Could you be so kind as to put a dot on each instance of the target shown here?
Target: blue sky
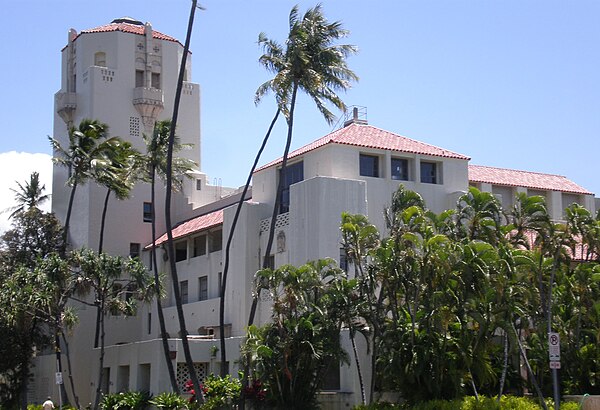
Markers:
(512, 84)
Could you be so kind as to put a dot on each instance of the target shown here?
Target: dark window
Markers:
(400, 169)
(180, 251)
(271, 262)
(203, 288)
(139, 78)
(293, 173)
(155, 80)
(343, 260)
(429, 172)
(369, 166)
(220, 279)
(331, 378)
(147, 211)
(216, 241)
(198, 185)
(149, 323)
(134, 250)
(199, 245)
(183, 291)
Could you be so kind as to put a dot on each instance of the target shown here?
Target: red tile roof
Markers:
(367, 136)
(128, 28)
(526, 179)
(193, 225)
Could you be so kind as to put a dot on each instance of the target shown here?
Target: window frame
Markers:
(405, 169)
(147, 212)
(185, 296)
(203, 291)
(434, 177)
(370, 170)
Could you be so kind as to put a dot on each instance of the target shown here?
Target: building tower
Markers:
(123, 74)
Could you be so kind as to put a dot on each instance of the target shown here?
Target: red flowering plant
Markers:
(189, 388)
(255, 391)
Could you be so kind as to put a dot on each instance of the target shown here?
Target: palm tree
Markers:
(118, 174)
(117, 284)
(236, 216)
(156, 165)
(310, 62)
(28, 195)
(170, 248)
(87, 144)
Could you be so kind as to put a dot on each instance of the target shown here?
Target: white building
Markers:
(124, 74)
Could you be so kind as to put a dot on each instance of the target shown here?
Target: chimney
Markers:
(358, 116)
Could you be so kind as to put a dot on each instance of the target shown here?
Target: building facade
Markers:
(124, 74)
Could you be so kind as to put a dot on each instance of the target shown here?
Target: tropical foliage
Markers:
(458, 301)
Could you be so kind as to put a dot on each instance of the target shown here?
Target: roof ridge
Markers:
(408, 138)
(518, 170)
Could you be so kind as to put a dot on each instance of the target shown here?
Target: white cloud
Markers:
(18, 166)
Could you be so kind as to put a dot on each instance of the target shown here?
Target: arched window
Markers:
(100, 59)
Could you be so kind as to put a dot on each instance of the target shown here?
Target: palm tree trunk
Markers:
(504, 368)
(230, 239)
(358, 369)
(70, 368)
(171, 251)
(265, 264)
(101, 361)
(161, 316)
(533, 379)
(103, 222)
(61, 387)
(68, 220)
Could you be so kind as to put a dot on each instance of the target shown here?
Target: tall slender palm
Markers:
(28, 195)
(119, 174)
(170, 248)
(236, 216)
(87, 144)
(310, 62)
(156, 165)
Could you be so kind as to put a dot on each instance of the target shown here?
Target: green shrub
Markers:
(132, 400)
(169, 401)
(220, 391)
(471, 403)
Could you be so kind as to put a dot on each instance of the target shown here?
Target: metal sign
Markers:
(59, 378)
(554, 347)
(555, 365)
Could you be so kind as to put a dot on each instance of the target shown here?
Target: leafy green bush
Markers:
(169, 401)
(220, 391)
(131, 400)
(111, 401)
(471, 403)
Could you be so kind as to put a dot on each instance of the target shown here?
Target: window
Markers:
(180, 251)
(199, 245)
(429, 172)
(400, 169)
(216, 240)
(198, 185)
(183, 291)
(147, 211)
(139, 78)
(149, 323)
(134, 250)
(293, 173)
(203, 288)
(369, 166)
(343, 260)
(100, 59)
(155, 80)
(271, 262)
(220, 281)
